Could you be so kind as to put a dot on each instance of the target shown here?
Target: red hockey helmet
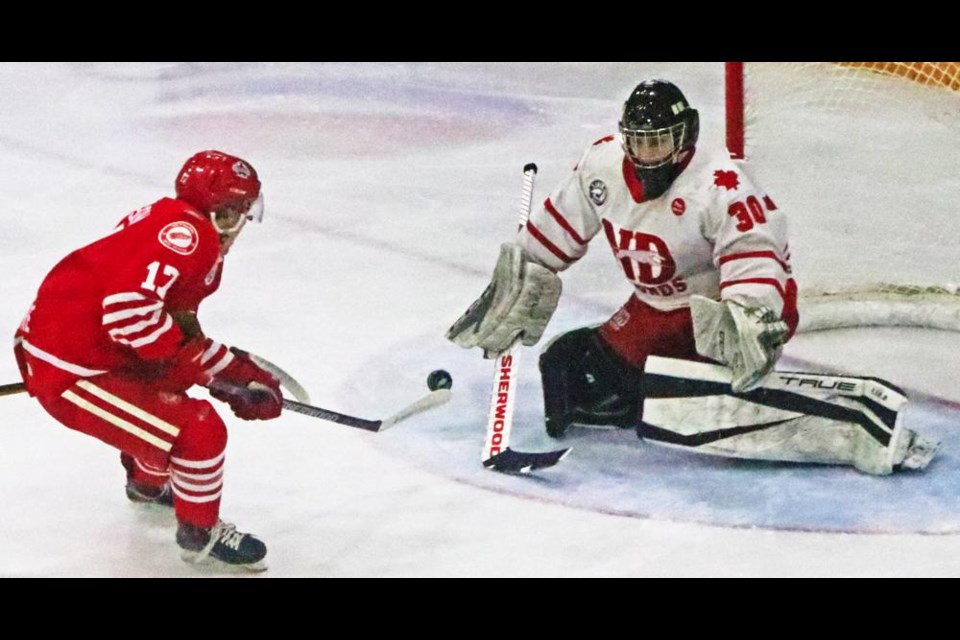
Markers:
(212, 181)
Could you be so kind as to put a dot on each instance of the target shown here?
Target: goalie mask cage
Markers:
(865, 158)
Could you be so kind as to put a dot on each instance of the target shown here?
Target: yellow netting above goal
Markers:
(943, 74)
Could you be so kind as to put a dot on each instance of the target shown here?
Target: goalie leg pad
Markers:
(795, 417)
(584, 382)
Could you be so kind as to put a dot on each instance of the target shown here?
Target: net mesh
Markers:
(863, 156)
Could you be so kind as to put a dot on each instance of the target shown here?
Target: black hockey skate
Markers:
(147, 494)
(223, 544)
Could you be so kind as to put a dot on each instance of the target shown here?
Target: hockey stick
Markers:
(427, 402)
(497, 454)
(301, 405)
(287, 381)
(10, 389)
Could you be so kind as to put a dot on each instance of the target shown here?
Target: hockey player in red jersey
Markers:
(112, 343)
(705, 249)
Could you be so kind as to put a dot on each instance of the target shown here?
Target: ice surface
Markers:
(389, 188)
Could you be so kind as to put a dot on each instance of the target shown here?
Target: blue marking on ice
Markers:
(376, 93)
(614, 472)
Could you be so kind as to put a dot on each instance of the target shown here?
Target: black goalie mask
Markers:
(658, 131)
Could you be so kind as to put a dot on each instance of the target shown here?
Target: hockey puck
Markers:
(439, 379)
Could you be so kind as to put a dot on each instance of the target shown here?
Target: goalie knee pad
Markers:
(584, 382)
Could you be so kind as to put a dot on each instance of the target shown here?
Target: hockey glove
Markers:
(748, 339)
(251, 392)
(518, 303)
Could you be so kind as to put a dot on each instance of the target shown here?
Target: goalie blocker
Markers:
(796, 417)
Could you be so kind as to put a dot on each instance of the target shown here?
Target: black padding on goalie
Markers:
(660, 386)
(695, 440)
(585, 382)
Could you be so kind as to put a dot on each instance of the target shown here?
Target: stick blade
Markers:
(510, 461)
(427, 402)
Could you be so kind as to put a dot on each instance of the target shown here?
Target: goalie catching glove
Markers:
(518, 303)
(747, 338)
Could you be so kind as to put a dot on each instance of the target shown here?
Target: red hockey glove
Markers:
(251, 392)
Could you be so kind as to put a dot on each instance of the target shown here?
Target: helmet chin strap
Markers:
(252, 211)
(227, 236)
(230, 231)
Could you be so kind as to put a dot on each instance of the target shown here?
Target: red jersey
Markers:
(109, 304)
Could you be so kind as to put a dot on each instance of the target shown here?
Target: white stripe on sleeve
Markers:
(149, 339)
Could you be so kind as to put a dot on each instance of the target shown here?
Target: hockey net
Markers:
(865, 157)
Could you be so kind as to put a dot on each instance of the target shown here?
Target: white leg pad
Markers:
(796, 417)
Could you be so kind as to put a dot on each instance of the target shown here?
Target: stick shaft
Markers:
(500, 418)
(10, 389)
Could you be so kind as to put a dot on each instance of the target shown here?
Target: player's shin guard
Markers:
(585, 383)
(196, 471)
(796, 417)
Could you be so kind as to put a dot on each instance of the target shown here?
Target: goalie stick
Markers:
(497, 454)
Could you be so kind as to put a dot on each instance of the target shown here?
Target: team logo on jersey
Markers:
(678, 206)
(726, 179)
(620, 319)
(241, 169)
(180, 237)
(643, 256)
(598, 192)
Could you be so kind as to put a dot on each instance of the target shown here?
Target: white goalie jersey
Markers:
(713, 233)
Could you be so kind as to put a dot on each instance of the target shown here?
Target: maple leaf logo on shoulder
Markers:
(726, 179)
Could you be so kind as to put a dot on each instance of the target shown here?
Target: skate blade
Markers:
(209, 562)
